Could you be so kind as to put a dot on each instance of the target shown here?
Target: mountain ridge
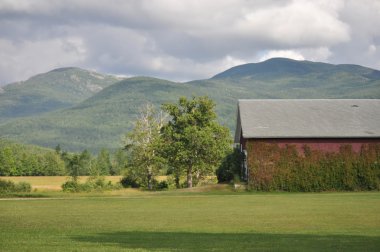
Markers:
(304, 66)
(53, 90)
(104, 118)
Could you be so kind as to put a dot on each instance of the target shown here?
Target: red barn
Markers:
(322, 124)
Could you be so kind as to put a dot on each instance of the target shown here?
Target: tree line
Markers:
(22, 160)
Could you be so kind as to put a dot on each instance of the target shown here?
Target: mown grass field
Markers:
(192, 220)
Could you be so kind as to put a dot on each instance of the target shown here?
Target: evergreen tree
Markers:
(74, 165)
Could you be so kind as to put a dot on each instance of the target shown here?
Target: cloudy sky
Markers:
(182, 39)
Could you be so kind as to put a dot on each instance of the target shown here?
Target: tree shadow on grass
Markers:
(182, 241)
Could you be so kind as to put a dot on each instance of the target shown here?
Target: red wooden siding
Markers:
(324, 144)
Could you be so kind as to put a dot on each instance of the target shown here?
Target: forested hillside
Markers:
(57, 89)
(102, 120)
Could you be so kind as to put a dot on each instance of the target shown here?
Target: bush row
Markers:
(92, 184)
(129, 181)
(133, 182)
(284, 169)
(7, 186)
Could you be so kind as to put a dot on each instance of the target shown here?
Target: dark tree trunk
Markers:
(150, 187)
(177, 181)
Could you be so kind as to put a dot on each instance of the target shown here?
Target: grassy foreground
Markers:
(193, 221)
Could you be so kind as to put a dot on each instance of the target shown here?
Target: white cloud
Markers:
(372, 49)
(301, 23)
(282, 54)
(20, 60)
(182, 40)
(363, 18)
(317, 54)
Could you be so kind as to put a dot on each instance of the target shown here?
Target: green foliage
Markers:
(23, 187)
(7, 186)
(162, 185)
(74, 165)
(119, 162)
(86, 163)
(24, 160)
(27, 160)
(54, 165)
(103, 163)
(71, 186)
(102, 120)
(194, 141)
(130, 182)
(144, 144)
(230, 167)
(275, 168)
(93, 183)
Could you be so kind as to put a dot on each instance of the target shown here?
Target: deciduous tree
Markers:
(195, 143)
(144, 144)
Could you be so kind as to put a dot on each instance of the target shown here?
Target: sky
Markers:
(182, 40)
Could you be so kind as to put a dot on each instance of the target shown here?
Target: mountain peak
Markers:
(64, 69)
(56, 89)
(288, 67)
(270, 66)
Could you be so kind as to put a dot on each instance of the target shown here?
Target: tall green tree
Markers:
(53, 164)
(103, 163)
(119, 162)
(74, 164)
(86, 162)
(144, 144)
(7, 162)
(195, 143)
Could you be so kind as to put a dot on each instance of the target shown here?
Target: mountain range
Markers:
(57, 89)
(81, 109)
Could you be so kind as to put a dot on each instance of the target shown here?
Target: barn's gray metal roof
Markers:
(312, 118)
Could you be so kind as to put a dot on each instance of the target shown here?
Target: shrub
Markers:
(170, 180)
(99, 183)
(23, 187)
(162, 185)
(95, 183)
(7, 186)
(70, 186)
(231, 166)
(129, 182)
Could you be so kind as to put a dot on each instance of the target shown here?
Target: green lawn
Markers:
(193, 221)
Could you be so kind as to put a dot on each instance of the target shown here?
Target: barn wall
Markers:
(326, 144)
